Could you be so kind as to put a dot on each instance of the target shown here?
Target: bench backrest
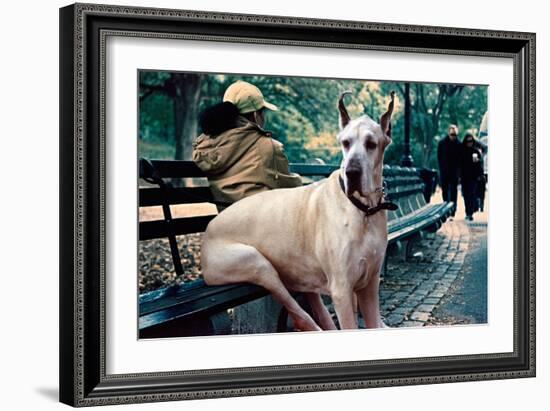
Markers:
(404, 186)
(159, 196)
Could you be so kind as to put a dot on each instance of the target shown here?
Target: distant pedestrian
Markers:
(449, 158)
(471, 174)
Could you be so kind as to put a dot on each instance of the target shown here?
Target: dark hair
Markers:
(468, 136)
(249, 116)
(218, 118)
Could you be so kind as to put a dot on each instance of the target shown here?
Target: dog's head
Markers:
(363, 143)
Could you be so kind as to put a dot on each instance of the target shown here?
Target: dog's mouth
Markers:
(369, 200)
(354, 188)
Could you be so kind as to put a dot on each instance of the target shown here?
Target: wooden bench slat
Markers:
(423, 212)
(225, 297)
(149, 230)
(394, 193)
(412, 224)
(184, 294)
(185, 195)
(313, 169)
(164, 292)
(177, 169)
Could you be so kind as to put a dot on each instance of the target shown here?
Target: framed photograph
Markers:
(261, 204)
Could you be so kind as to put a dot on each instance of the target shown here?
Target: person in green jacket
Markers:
(238, 156)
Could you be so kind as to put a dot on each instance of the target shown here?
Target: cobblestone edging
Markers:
(411, 290)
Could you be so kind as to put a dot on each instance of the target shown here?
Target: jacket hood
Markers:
(215, 154)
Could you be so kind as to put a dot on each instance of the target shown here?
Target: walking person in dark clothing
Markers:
(449, 152)
(471, 174)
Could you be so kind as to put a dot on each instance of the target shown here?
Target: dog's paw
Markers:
(305, 324)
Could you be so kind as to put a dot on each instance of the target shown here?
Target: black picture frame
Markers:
(83, 29)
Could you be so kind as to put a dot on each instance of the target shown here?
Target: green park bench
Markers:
(194, 308)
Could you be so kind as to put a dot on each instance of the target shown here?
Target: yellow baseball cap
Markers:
(246, 97)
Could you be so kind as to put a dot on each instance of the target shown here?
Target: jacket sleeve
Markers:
(275, 164)
(460, 158)
(440, 156)
(479, 165)
(481, 146)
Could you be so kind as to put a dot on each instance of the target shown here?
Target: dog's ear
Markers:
(385, 120)
(344, 116)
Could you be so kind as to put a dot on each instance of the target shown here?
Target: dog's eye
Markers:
(371, 145)
(345, 144)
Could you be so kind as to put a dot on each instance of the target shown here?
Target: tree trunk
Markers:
(186, 92)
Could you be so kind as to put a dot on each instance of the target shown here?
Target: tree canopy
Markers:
(307, 119)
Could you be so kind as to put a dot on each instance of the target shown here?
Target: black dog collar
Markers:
(382, 205)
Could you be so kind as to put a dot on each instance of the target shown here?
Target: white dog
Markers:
(326, 238)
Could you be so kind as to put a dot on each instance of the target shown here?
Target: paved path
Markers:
(446, 280)
(411, 290)
(466, 301)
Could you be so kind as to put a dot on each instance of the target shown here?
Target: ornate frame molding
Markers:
(82, 357)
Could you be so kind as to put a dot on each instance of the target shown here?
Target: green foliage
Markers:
(307, 119)
(156, 119)
(156, 113)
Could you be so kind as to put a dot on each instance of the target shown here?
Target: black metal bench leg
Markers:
(384, 270)
(175, 255)
(176, 259)
(221, 323)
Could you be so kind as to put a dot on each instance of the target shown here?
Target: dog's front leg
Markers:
(369, 303)
(343, 305)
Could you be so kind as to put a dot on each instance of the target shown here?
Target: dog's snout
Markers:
(353, 170)
(353, 173)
